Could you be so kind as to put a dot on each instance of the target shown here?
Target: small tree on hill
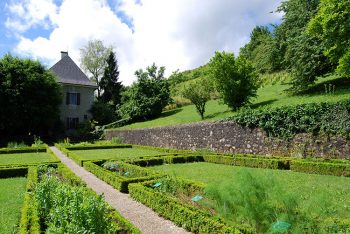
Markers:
(198, 93)
(235, 79)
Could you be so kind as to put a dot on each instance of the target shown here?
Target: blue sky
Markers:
(177, 34)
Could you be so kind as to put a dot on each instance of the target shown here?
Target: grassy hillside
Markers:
(270, 95)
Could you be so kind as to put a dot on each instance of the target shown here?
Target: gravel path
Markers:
(141, 216)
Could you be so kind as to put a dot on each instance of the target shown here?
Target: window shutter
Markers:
(67, 98)
(67, 123)
(78, 98)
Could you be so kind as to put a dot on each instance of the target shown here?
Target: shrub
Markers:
(147, 97)
(285, 122)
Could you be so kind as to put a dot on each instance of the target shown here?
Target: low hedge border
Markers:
(48, 150)
(311, 166)
(13, 172)
(29, 221)
(119, 182)
(23, 150)
(165, 150)
(183, 215)
(91, 147)
(256, 162)
(322, 168)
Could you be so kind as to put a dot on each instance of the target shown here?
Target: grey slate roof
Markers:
(69, 73)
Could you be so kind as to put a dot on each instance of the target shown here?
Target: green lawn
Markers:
(26, 158)
(267, 96)
(117, 153)
(310, 189)
(11, 200)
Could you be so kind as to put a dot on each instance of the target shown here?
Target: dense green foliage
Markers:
(109, 82)
(147, 97)
(29, 97)
(67, 209)
(235, 79)
(285, 122)
(262, 50)
(102, 112)
(198, 93)
(302, 53)
(255, 201)
(331, 26)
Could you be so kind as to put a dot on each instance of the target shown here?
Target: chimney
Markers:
(64, 54)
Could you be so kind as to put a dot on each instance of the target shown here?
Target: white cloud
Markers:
(175, 33)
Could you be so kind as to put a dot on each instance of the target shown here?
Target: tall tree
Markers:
(303, 54)
(29, 97)
(109, 82)
(93, 60)
(331, 24)
(262, 50)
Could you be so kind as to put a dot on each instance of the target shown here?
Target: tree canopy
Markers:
(235, 79)
(331, 24)
(110, 83)
(147, 97)
(29, 97)
(94, 60)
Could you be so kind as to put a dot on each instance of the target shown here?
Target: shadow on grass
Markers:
(170, 113)
(264, 103)
(216, 114)
(340, 85)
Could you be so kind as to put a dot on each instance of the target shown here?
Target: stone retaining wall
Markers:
(230, 137)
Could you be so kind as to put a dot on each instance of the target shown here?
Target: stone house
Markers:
(78, 92)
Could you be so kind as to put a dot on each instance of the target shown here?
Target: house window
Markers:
(73, 98)
(72, 123)
(85, 117)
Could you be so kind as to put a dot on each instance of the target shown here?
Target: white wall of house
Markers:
(77, 110)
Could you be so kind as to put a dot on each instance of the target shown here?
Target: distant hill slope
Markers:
(272, 94)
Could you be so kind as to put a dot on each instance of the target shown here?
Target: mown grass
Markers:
(271, 95)
(311, 190)
(117, 153)
(11, 200)
(26, 158)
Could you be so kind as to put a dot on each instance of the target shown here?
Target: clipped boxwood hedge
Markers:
(13, 172)
(119, 182)
(91, 147)
(322, 168)
(186, 216)
(23, 150)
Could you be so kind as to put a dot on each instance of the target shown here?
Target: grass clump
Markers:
(11, 200)
(257, 202)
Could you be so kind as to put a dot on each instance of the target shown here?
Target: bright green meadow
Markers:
(116, 153)
(310, 189)
(268, 96)
(11, 200)
(26, 158)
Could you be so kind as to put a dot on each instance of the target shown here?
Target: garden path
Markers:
(138, 214)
